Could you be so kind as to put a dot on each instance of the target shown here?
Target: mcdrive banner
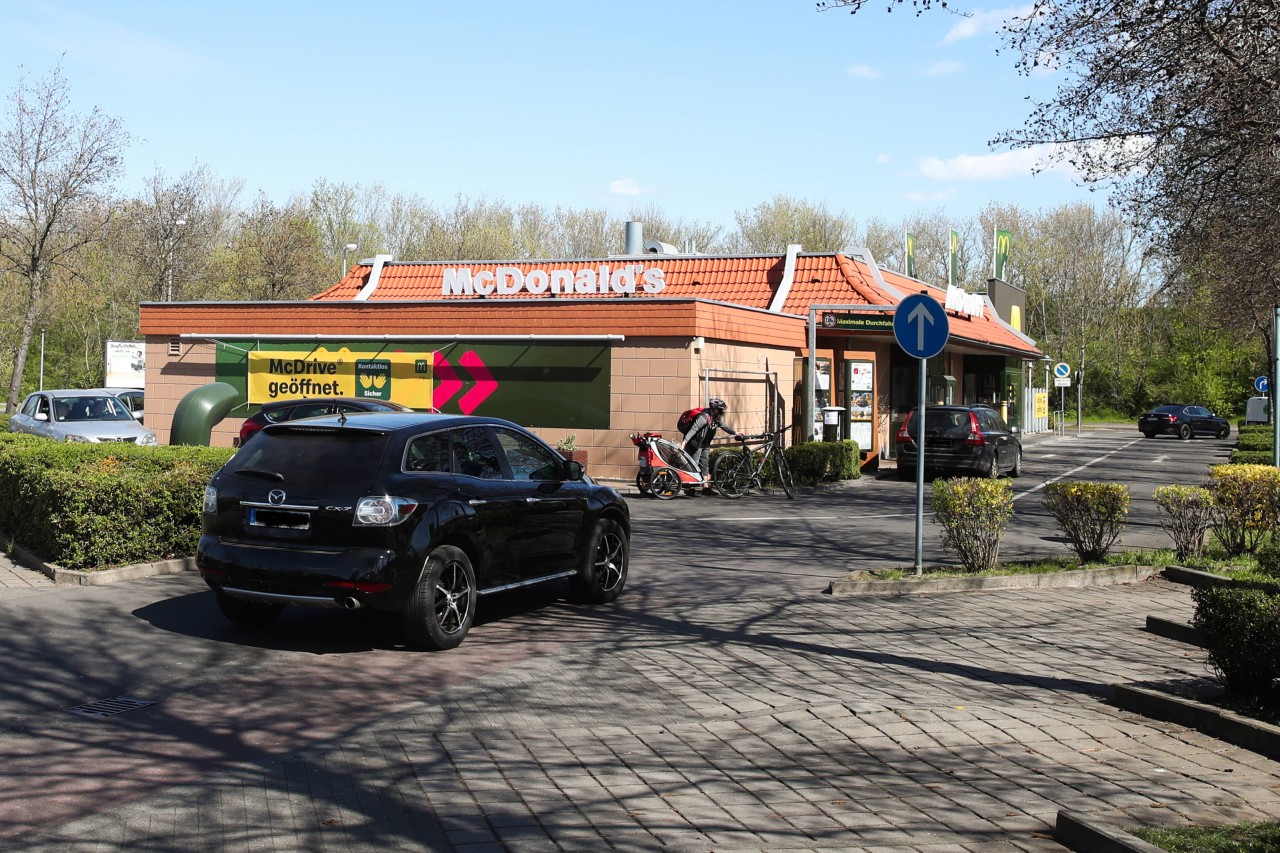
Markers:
(531, 383)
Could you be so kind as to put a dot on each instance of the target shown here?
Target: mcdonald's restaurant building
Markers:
(597, 349)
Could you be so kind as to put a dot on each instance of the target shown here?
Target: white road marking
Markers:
(1065, 474)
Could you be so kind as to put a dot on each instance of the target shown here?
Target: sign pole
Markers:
(1275, 393)
(920, 410)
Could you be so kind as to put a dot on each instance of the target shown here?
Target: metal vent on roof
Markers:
(110, 707)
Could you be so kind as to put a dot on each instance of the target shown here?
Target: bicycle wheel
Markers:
(784, 472)
(642, 482)
(664, 483)
(732, 474)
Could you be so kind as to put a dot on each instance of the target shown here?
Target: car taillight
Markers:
(1173, 419)
(247, 429)
(976, 437)
(383, 511)
(904, 437)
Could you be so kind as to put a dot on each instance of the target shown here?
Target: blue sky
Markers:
(702, 108)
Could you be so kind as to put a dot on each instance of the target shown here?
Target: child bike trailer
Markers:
(665, 468)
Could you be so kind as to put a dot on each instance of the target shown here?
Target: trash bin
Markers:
(831, 422)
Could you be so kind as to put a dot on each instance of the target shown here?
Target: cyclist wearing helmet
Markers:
(697, 441)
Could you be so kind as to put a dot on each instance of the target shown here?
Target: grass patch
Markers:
(1245, 837)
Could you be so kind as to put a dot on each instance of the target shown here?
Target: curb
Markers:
(1253, 735)
(78, 577)
(1076, 578)
(1091, 835)
(1200, 580)
(1182, 632)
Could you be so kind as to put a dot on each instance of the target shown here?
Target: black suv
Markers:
(970, 440)
(416, 514)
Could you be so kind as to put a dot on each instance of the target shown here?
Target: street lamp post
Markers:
(350, 247)
(168, 290)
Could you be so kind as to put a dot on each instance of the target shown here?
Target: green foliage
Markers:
(1090, 514)
(1186, 514)
(86, 506)
(1248, 501)
(1254, 440)
(815, 462)
(1269, 558)
(1241, 630)
(1252, 457)
(974, 514)
(1243, 837)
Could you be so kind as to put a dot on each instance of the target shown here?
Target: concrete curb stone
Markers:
(1182, 632)
(1076, 578)
(78, 577)
(1086, 834)
(1253, 735)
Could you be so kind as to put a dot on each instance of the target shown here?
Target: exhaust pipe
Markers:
(351, 603)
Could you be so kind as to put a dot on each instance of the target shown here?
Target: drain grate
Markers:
(111, 707)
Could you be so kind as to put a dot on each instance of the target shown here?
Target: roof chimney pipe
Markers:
(635, 239)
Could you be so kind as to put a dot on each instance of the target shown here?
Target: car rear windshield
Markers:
(954, 423)
(310, 457)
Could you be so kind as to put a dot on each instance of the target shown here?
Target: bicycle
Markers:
(736, 472)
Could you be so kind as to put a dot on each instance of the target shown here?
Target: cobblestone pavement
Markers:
(943, 723)
(16, 579)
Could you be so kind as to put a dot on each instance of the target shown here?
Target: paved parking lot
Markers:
(957, 722)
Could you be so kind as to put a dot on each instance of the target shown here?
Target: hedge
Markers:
(93, 506)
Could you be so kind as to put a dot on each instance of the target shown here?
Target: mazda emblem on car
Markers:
(275, 497)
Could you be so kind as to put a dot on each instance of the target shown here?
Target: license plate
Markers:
(281, 518)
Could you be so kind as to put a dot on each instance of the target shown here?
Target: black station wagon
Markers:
(410, 513)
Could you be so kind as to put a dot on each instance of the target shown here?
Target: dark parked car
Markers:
(971, 440)
(1183, 421)
(292, 410)
(411, 513)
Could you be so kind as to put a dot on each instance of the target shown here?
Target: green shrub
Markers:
(1186, 514)
(1252, 457)
(1241, 631)
(814, 462)
(86, 506)
(1090, 514)
(1255, 441)
(974, 514)
(1248, 501)
(1269, 558)
(1256, 429)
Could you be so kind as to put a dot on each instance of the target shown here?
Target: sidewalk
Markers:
(960, 724)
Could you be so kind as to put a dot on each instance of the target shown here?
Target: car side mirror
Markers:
(42, 416)
(574, 470)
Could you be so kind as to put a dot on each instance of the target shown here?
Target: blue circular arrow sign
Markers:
(1261, 384)
(920, 326)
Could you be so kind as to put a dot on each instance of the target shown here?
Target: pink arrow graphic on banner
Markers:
(447, 382)
(485, 384)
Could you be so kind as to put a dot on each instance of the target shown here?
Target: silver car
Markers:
(87, 416)
(131, 397)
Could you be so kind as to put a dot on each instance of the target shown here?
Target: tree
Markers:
(55, 168)
(278, 254)
(772, 226)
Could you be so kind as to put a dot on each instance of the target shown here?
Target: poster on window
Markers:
(862, 388)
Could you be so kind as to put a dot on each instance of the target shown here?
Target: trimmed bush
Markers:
(1248, 501)
(1186, 514)
(1255, 441)
(1090, 514)
(1241, 631)
(1269, 558)
(87, 506)
(814, 462)
(1252, 457)
(974, 514)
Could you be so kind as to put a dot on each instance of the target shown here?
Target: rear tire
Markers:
(642, 483)
(784, 472)
(1225, 432)
(1016, 470)
(603, 572)
(1148, 433)
(245, 613)
(906, 472)
(664, 483)
(993, 470)
(730, 474)
(1185, 432)
(443, 605)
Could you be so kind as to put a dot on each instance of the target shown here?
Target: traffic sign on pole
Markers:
(1061, 370)
(920, 326)
(1261, 384)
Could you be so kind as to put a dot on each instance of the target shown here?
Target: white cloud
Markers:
(988, 167)
(984, 23)
(883, 159)
(626, 186)
(939, 69)
(866, 72)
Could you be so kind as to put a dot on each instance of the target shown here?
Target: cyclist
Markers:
(697, 441)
